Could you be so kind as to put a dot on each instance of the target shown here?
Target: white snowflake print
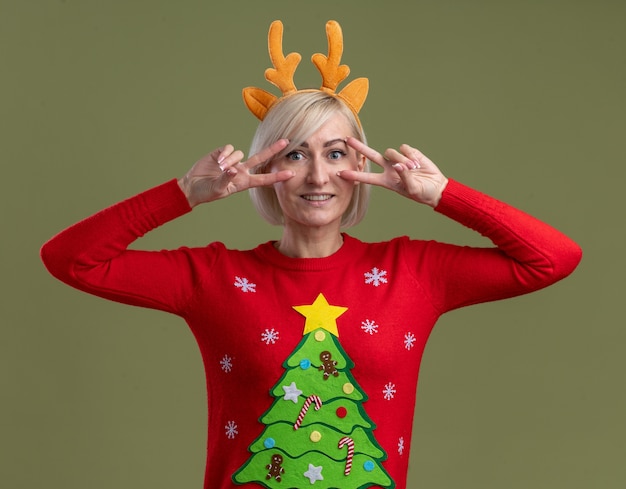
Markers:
(401, 445)
(226, 363)
(376, 277)
(409, 340)
(231, 430)
(269, 336)
(369, 326)
(389, 392)
(243, 284)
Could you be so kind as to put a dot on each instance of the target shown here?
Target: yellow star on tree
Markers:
(321, 314)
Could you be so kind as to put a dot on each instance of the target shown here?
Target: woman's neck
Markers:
(311, 244)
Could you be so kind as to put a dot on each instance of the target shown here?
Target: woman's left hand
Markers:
(407, 172)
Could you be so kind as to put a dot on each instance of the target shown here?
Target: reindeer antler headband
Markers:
(353, 95)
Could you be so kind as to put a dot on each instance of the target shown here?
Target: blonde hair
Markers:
(296, 118)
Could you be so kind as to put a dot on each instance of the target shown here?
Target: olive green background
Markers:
(524, 100)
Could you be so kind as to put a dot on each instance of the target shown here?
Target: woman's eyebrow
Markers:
(327, 143)
(334, 141)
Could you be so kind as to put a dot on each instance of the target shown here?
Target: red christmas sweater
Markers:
(311, 364)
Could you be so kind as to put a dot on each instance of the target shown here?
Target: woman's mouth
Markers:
(317, 197)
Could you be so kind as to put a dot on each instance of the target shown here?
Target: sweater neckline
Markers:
(268, 253)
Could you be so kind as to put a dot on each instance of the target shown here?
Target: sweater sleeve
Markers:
(93, 255)
(528, 254)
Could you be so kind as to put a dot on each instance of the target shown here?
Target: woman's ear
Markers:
(360, 166)
(361, 163)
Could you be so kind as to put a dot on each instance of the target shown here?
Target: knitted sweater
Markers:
(311, 364)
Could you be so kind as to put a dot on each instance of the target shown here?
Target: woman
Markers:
(311, 343)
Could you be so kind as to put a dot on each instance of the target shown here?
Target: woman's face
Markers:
(316, 197)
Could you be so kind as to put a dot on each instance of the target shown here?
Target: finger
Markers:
(221, 185)
(228, 162)
(409, 177)
(211, 157)
(413, 154)
(268, 179)
(265, 154)
(224, 151)
(370, 153)
(399, 160)
(362, 177)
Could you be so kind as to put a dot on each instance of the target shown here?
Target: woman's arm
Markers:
(93, 255)
(529, 253)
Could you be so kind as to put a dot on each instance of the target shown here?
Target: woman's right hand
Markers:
(222, 173)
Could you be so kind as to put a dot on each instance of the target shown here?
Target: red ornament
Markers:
(341, 412)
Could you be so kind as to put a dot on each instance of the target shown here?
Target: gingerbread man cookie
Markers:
(329, 366)
(275, 468)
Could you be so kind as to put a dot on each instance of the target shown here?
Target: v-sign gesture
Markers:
(222, 173)
(407, 171)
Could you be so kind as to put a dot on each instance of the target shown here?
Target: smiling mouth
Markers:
(317, 198)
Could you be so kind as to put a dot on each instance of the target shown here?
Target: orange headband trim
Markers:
(259, 101)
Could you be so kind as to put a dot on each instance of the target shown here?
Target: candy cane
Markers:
(305, 408)
(346, 440)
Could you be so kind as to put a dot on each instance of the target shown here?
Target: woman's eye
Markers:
(335, 155)
(294, 156)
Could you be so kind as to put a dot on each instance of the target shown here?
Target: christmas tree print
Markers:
(317, 432)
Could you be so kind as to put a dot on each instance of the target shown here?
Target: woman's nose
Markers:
(318, 172)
